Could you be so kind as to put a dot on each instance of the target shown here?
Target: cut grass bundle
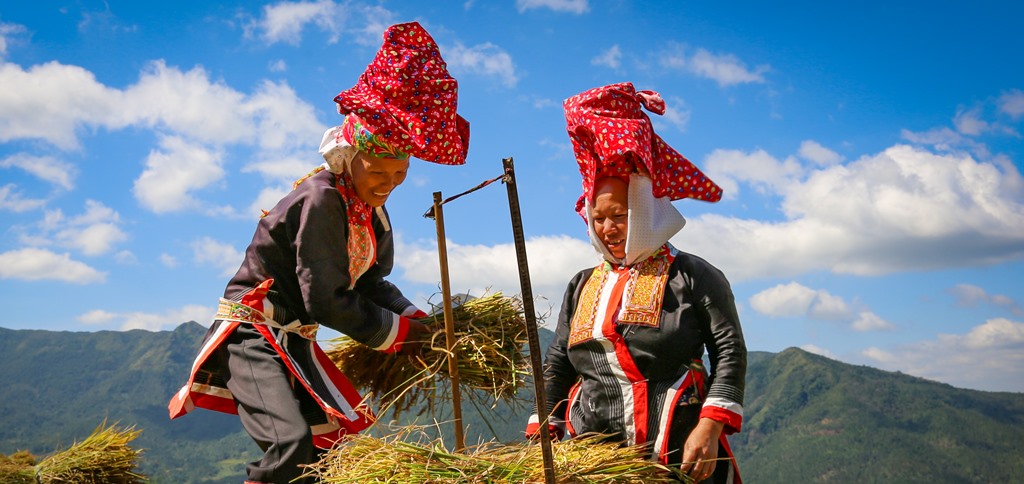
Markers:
(587, 459)
(18, 468)
(490, 334)
(103, 457)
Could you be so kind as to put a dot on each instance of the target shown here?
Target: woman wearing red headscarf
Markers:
(320, 256)
(626, 360)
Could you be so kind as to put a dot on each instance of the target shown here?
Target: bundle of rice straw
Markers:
(18, 468)
(490, 334)
(103, 457)
(586, 459)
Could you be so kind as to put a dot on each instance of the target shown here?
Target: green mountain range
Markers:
(807, 418)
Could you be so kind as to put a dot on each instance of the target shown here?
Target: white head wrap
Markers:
(337, 152)
(652, 221)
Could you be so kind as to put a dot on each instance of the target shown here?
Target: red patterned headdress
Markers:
(407, 99)
(607, 123)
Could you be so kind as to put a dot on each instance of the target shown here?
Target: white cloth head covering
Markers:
(337, 152)
(652, 222)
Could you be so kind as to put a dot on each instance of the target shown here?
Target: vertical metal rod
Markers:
(531, 320)
(449, 324)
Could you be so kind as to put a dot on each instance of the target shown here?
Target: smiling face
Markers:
(610, 214)
(375, 178)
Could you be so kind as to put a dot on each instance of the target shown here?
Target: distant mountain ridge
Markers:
(807, 418)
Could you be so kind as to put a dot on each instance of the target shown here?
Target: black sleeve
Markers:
(723, 336)
(559, 374)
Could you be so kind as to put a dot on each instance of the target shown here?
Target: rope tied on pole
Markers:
(430, 211)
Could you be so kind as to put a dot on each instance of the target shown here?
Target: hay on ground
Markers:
(586, 459)
(18, 468)
(103, 457)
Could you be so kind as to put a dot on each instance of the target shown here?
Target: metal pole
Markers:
(531, 320)
(449, 324)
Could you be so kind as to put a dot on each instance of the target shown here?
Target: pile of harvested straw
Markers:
(490, 334)
(18, 468)
(361, 458)
(103, 457)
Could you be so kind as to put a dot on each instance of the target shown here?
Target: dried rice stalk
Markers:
(103, 457)
(587, 459)
(490, 333)
(18, 468)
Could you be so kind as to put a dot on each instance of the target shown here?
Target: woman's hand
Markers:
(701, 449)
(418, 335)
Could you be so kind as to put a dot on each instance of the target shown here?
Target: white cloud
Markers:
(94, 239)
(796, 300)
(553, 260)
(374, 20)
(989, 357)
(150, 321)
(968, 295)
(284, 122)
(125, 257)
(8, 32)
(759, 169)
(544, 102)
(168, 260)
(1012, 103)
(267, 198)
(827, 307)
(725, 69)
(484, 59)
(282, 170)
(277, 66)
(969, 122)
(558, 150)
(209, 252)
(50, 101)
(819, 351)
(174, 172)
(869, 321)
(676, 113)
(11, 199)
(902, 209)
(97, 316)
(942, 139)
(812, 151)
(96, 231)
(45, 168)
(571, 6)
(784, 300)
(284, 21)
(33, 264)
(187, 103)
(610, 58)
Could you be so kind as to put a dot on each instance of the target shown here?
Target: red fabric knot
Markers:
(407, 98)
(652, 101)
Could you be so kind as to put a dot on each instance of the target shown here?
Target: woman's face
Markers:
(611, 214)
(375, 178)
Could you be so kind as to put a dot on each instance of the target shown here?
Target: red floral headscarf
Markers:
(610, 134)
(407, 99)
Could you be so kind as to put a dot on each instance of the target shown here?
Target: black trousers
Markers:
(269, 406)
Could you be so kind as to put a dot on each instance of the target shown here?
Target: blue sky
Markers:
(871, 157)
